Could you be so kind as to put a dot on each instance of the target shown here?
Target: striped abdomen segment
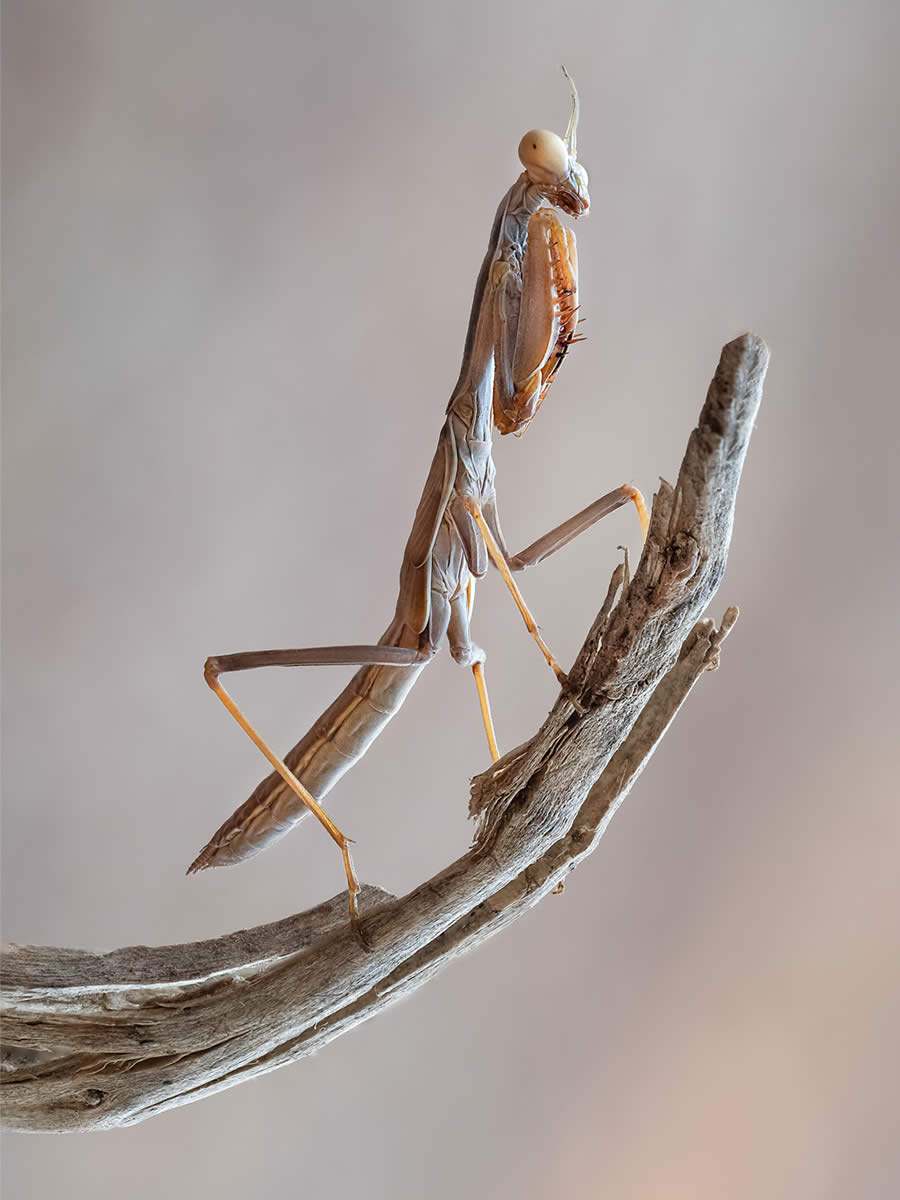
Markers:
(340, 736)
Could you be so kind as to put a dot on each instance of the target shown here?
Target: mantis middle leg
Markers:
(467, 654)
(489, 525)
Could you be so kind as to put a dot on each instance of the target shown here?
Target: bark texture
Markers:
(95, 1041)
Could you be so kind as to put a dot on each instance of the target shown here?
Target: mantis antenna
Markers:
(573, 116)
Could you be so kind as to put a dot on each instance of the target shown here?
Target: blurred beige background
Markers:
(240, 244)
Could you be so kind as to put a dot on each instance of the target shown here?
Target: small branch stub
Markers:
(95, 1041)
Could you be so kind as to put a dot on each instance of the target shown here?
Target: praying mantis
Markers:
(522, 323)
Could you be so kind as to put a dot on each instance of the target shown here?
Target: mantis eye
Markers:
(544, 156)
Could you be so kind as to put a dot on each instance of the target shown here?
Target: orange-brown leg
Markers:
(480, 682)
(558, 537)
(501, 565)
(297, 787)
(391, 655)
(569, 530)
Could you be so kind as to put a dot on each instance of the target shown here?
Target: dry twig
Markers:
(93, 1041)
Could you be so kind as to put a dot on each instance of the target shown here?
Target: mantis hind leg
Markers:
(342, 841)
(311, 656)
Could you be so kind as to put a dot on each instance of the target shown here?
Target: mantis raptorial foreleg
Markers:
(536, 319)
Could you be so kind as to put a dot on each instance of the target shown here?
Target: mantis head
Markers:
(551, 165)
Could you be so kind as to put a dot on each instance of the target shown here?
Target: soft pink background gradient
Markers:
(240, 245)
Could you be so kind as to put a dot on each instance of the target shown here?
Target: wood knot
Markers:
(682, 555)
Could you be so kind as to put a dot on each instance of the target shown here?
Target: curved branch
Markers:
(96, 1041)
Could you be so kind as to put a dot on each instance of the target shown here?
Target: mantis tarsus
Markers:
(523, 320)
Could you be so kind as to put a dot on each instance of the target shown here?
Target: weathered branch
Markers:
(95, 1041)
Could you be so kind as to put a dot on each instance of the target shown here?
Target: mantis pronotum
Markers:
(523, 321)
